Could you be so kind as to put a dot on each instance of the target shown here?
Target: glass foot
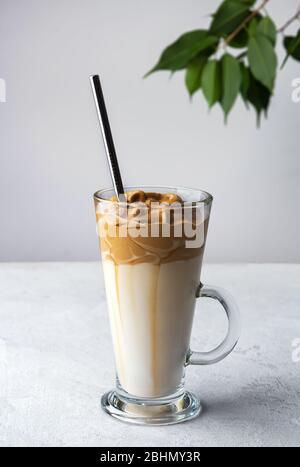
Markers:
(152, 412)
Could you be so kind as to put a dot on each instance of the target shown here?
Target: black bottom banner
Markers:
(144, 456)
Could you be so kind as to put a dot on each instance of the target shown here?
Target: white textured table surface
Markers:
(56, 361)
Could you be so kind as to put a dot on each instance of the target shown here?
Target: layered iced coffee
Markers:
(152, 246)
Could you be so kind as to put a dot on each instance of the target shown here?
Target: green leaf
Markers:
(245, 82)
(262, 60)
(263, 25)
(177, 55)
(292, 46)
(259, 96)
(240, 41)
(247, 2)
(231, 81)
(252, 25)
(228, 17)
(267, 27)
(211, 82)
(194, 74)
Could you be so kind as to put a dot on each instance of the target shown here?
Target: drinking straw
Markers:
(107, 136)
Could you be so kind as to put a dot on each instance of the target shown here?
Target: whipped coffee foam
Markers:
(153, 227)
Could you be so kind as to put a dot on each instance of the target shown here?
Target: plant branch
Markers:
(244, 23)
(290, 21)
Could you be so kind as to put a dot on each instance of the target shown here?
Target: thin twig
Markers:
(290, 21)
(244, 23)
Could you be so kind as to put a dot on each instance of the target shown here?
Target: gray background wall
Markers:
(52, 158)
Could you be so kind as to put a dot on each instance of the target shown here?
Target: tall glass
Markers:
(152, 256)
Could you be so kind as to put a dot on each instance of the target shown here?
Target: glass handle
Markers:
(232, 312)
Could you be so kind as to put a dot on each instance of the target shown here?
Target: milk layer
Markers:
(151, 311)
